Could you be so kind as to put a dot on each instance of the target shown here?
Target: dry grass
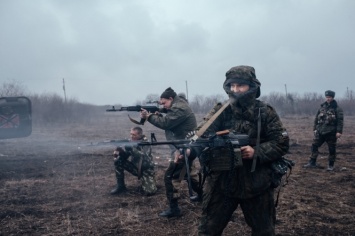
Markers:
(48, 186)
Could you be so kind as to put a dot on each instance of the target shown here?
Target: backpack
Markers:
(279, 168)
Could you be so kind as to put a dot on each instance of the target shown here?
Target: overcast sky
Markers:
(120, 51)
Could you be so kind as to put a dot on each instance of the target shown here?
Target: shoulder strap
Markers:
(209, 122)
(255, 158)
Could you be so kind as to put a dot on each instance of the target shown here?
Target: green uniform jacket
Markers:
(329, 119)
(274, 143)
(178, 121)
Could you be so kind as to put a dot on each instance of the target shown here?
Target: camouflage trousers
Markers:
(147, 177)
(217, 209)
(331, 141)
(177, 172)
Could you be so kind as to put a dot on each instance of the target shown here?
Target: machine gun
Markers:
(218, 140)
(149, 108)
(221, 139)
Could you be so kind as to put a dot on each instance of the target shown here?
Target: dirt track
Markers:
(50, 186)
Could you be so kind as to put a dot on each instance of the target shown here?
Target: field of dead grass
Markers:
(53, 183)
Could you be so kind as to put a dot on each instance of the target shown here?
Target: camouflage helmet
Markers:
(330, 93)
(242, 75)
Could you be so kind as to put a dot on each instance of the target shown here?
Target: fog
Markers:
(111, 52)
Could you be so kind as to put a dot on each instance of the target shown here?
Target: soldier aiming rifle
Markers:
(150, 108)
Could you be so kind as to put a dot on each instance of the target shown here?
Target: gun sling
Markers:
(255, 158)
(209, 122)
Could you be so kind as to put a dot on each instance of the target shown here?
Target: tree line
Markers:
(51, 108)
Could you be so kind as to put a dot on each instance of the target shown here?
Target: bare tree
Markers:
(202, 104)
(152, 98)
(12, 88)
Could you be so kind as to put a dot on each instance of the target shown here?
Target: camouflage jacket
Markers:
(144, 152)
(273, 144)
(329, 119)
(137, 154)
(178, 121)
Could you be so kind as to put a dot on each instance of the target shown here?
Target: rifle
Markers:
(150, 108)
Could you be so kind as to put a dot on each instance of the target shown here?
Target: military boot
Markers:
(172, 211)
(311, 163)
(120, 187)
(330, 166)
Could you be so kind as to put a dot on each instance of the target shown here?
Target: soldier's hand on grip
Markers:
(190, 134)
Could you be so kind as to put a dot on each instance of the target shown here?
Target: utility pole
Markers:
(286, 90)
(65, 95)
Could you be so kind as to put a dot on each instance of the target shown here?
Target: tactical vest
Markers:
(227, 158)
(246, 124)
(327, 115)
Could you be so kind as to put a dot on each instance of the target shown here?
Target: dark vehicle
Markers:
(15, 117)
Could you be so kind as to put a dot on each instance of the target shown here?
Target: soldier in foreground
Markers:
(136, 160)
(227, 185)
(177, 123)
(328, 127)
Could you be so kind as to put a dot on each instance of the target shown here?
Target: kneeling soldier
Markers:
(136, 160)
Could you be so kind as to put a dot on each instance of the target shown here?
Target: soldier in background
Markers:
(328, 127)
(136, 160)
(183, 96)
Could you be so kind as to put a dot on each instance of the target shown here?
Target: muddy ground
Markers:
(55, 183)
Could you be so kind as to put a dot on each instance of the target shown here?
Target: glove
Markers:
(190, 134)
(119, 152)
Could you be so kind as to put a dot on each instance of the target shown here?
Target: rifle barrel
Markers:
(138, 108)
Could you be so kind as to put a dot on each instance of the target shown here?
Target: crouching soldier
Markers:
(136, 160)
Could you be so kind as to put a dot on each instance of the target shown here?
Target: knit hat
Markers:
(242, 75)
(168, 93)
(330, 93)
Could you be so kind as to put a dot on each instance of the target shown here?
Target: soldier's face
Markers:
(166, 102)
(134, 135)
(328, 99)
(239, 88)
